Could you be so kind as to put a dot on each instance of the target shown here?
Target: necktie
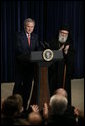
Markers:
(29, 39)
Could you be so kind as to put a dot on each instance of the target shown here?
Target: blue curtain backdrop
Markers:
(48, 15)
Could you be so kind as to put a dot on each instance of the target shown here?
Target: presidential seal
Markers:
(47, 55)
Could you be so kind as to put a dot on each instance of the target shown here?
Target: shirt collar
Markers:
(27, 35)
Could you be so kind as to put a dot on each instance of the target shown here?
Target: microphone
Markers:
(47, 44)
(42, 45)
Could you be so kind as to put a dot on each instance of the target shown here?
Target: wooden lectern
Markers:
(42, 94)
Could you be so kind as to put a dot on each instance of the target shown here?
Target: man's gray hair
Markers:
(58, 104)
(28, 20)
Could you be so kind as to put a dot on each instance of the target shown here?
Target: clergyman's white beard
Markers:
(62, 39)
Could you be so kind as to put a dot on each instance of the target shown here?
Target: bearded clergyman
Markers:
(60, 72)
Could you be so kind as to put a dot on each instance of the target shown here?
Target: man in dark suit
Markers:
(26, 42)
(62, 42)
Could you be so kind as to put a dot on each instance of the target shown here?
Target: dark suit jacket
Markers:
(61, 120)
(22, 47)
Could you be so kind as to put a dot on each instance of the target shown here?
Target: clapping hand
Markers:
(66, 49)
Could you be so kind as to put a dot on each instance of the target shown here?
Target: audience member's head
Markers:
(58, 104)
(19, 101)
(10, 106)
(34, 118)
(62, 92)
